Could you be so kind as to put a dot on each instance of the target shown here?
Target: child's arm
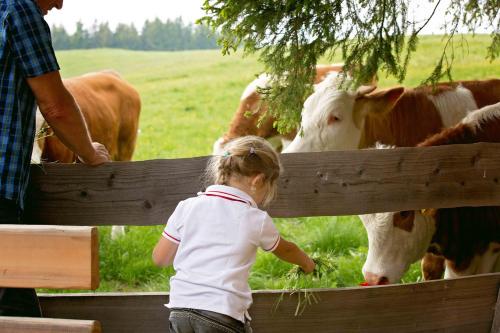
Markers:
(291, 253)
(164, 252)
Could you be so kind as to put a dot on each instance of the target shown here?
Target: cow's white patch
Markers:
(262, 81)
(485, 114)
(454, 105)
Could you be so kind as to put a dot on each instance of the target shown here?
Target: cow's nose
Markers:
(374, 279)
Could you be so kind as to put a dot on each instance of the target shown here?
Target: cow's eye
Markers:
(333, 119)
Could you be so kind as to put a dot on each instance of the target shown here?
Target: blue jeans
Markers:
(184, 320)
(16, 301)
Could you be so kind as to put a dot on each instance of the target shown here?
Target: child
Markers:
(212, 240)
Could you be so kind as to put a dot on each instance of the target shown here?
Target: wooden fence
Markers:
(314, 184)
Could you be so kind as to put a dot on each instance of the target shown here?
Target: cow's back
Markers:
(413, 118)
(485, 92)
(247, 119)
(424, 111)
(111, 108)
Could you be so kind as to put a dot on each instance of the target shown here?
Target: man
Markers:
(29, 75)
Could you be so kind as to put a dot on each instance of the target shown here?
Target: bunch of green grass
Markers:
(296, 278)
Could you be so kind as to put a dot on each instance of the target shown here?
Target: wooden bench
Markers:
(57, 257)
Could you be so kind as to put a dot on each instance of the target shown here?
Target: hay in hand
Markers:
(296, 279)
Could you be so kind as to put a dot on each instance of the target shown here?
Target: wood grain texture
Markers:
(313, 184)
(47, 325)
(495, 328)
(41, 256)
(459, 305)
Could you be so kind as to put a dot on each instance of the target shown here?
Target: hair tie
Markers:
(252, 150)
(226, 154)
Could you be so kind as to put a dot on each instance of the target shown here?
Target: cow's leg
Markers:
(496, 267)
(432, 266)
(285, 143)
(451, 272)
(117, 231)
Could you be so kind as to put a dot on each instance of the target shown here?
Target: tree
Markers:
(126, 37)
(371, 35)
(60, 38)
(81, 38)
(103, 36)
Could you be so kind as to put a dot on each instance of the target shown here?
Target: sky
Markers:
(123, 11)
(138, 11)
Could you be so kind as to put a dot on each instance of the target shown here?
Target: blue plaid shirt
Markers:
(25, 51)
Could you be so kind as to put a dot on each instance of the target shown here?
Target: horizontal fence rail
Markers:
(47, 325)
(62, 257)
(313, 184)
(458, 305)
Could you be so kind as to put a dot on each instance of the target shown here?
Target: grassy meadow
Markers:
(188, 100)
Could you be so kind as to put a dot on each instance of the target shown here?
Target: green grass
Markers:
(188, 100)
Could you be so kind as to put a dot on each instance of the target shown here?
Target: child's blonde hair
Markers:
(246, 156)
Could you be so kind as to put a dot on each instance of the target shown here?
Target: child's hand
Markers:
(309, 266)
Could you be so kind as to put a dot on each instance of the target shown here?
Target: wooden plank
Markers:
(495, 328)
(459, 305)
(48, 325)
(314, 184)
(49, 257)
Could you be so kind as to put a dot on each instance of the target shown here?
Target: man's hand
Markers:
(100, 156)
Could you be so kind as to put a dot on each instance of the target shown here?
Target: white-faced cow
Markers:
(333, 119)
(111, 109)
(251, 108)
(467, 237)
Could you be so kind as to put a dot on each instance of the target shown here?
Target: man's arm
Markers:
(62, 113)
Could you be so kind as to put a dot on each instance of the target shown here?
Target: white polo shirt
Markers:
(218, 233)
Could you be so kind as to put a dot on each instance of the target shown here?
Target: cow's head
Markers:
(333, 119)
(395, 241)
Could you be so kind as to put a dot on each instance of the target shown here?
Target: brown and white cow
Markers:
(251, 108)
(111, 108)
(334, 119)
(467, 237)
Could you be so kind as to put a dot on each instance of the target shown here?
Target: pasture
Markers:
(188, 100)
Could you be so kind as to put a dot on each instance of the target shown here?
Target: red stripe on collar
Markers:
(225, 193)
(209, 194)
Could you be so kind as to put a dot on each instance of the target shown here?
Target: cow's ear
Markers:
(365, 90)
(385, 100)
(429, 212)
(404, 220)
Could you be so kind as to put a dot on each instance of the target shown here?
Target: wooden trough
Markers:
(314, 184)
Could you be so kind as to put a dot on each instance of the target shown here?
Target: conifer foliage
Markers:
(290, 36)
